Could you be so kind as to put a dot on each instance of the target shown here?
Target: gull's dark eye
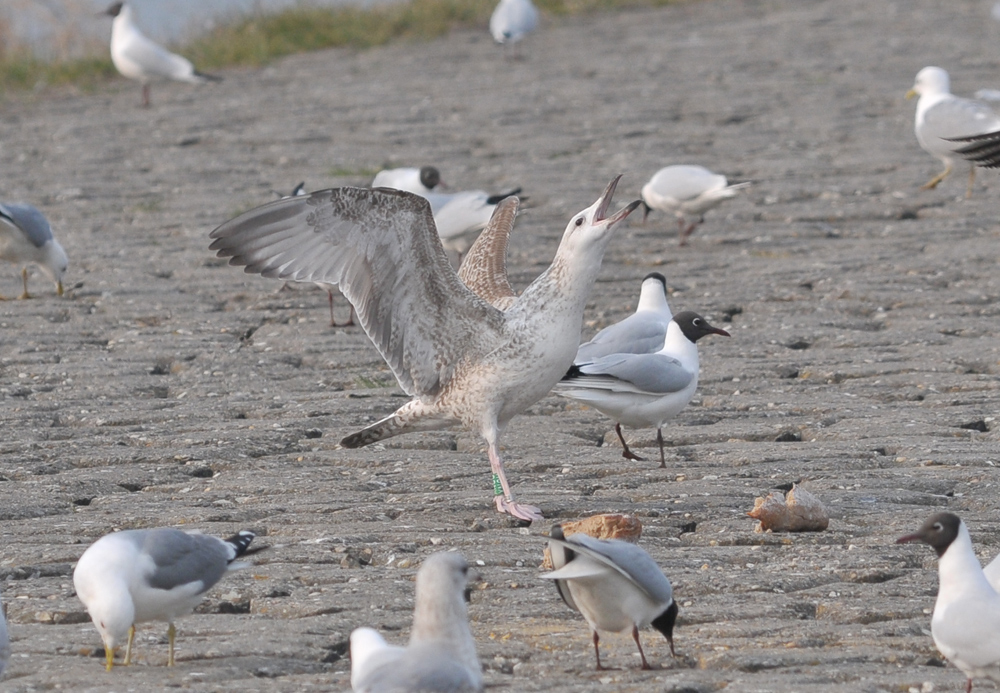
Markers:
(938, 527)
(696, 322)
(579, 222)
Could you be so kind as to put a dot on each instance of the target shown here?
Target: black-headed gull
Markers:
(512, 20)
(643, 390)
(686, 191)
(942, 117)
(26, 239)
(616, 585)
(415, 180)
(642, 332)
(462, 360)
(150, 575)
(137, 57)
(441, 655)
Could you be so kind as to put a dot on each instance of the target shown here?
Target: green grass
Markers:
(259, 40)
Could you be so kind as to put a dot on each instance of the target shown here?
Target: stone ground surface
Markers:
(170, 389)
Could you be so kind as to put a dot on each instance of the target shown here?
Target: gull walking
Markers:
(642, 332)
(945, 124)
(441, 655)
(415, 180)
(150, 575)
(512, 20)
(461, 359)
(686, 191)
(965, 624)
(137, 57)
(643, 390)
(26, 239)
(616, 585)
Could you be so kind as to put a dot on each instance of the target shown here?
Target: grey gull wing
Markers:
(182, 558)
(421, 669)
(652, 373)
(31, 221)
(625, 558)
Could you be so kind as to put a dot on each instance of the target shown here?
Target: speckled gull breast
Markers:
(965, 623)
(26, 239)
(642, 390)
(137, 57)
(441, 655)
(461, 359)
(686, 191)
(150, 575)
(642, 332)
(947, 126)
(616, 585)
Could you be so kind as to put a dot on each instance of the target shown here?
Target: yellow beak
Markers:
(910, 94)
(59, 288)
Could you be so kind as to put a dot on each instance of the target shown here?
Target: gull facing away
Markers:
(686, 191)
(441, 655)
(616, 585)
(945, 124)
(142, 575)
(965, 624)
(512, 20)
(4, 642)
(459, 358)
(642, 332)
(415, 180)
(643, 390)
(137, 57)
(26, 239)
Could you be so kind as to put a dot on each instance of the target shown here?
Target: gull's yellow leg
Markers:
(972, 180)
(128, 647)
(171, 635)
(109, 657)
(24, 280)
(933, 182)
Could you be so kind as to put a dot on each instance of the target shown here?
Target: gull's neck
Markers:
(652, 298)
(678, 346)
(959, 571)
(441, 617)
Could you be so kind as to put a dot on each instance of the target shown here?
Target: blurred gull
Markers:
(26, 239)
(415, 180)
(942, 118)
(965, 624)
(642, 332)
(150, 575)
(4, 641)
(643, 390)
(441, 655)
(137, 57)
(616, 585)
(461, 359)
(686, 191)
(512, 20)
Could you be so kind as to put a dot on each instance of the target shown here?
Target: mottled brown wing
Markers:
(484, 269)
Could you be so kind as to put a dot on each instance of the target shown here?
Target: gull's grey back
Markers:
(30, 220)
(632, 560)
(423, 669)
(181, 558)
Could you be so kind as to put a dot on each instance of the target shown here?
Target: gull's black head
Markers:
(939, 532)
(115, 9)
(665, 624)
(695, 327)
(430, 177)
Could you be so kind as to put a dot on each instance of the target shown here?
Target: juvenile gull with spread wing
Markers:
(461, 359)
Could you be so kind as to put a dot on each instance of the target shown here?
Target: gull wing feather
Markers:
(32, 222)
(484, 268)
(957, 117)
(983, 150)
(381, 248)
(427, 668)
(649, 373)
(180, 558)
(157, 60)
(627, 559)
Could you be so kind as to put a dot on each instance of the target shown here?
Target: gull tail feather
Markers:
(411, 417)
(239, 543)
(388, 427)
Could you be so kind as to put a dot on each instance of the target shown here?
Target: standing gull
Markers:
(965, 624)
(614, 584)
(643, 390)
(4, 641)
(441, 656)
(686, 191)
(462, 360)
(415, 180)
(26, 239)
(642, 332)
(150, 575)
(137, 57)
(943, 118)
(512, 20)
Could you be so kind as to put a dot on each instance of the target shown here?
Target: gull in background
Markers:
(945, 124)
(415, 180)
(459, 358)
(137, 57)
(150, 575)
(616, 585)
(686, 191)
(965, 624)
(643, 390)
(4, 641)
(26, 239)
(512, 20)
(441, 655)
(642, 332)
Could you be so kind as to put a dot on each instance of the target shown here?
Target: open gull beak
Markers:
(605, 203)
